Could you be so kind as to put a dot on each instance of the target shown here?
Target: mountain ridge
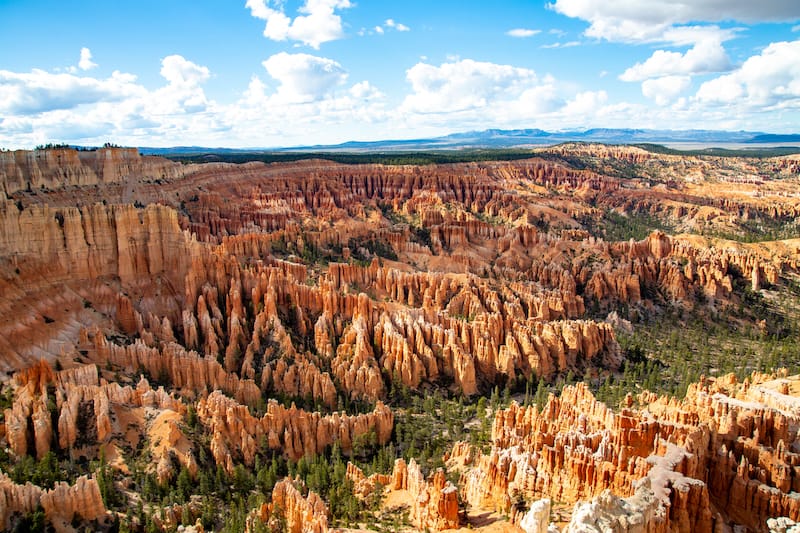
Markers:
(500, 138)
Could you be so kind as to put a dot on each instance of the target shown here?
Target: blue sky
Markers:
(261, 73)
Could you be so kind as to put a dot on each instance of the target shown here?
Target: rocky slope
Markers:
(722, 455)
(187, 322)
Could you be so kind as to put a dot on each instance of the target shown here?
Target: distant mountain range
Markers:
(495, 138)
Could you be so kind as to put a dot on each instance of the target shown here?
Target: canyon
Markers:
(183, 327)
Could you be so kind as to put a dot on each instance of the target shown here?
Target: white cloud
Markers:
(44, 106)
(463, 85)
(771, 78)
(303, 77)
(567, 44)
(380, 29)
(365, 91)
(703, 58)
(181, 72)
(522, 32)
(307, 99)
(691, 35)
(666, 89)
(317, 24)
(183, 92)
(39, 91)
(632, 21)
(585, 103)
(390, 23)
(86, 62)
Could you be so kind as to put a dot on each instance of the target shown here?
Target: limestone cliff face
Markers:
(680, 269)
(24, 170)
(248, 316)
(186, 371)
(73, 411)
(363, 486)
(233, 300)
(354, 365)
(62, 256)
(96, 241)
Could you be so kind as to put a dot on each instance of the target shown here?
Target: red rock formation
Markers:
(354, 365)
(61, 167)
(234, 284)
(726, 444)
(167, 442)
(61, 503)
(295, 513)
(237, 434)
(434, 502)
(185, 371)
(363, 486)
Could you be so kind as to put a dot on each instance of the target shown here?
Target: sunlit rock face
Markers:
(722, 454)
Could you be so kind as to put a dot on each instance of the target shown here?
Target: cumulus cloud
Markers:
(522, 32)
(44, 106)
(39, 91)
(306, 99)
(363, 90)
(463, 84)
(183, 92)
(181, 72)
(585, 103)
(318, 22)
(632, 21)
(390, 23)
(666, 89)
(703, 58)
(86, 62)
(303, 77)
(771, 78)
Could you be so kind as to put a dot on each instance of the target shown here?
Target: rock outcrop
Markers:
(61, 504)
(237, 434)
(239, 289)
(291, 511)
(667, 467)
(434, 501)
(56, 168)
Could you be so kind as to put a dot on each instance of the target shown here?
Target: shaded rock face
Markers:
(669, 466)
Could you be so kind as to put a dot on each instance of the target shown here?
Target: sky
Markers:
(269, 73)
